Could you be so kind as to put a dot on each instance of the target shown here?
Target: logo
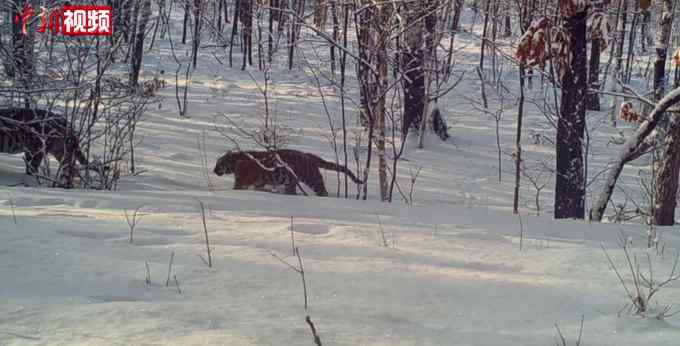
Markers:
(69, 20)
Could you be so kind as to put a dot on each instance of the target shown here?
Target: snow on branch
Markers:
(630, 149)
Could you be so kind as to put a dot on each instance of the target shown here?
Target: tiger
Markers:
(38, 132)
(277, 178)
(305, 168)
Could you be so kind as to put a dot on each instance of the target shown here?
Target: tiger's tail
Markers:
(338, 168)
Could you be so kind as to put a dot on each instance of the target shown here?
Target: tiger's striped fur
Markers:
(305, 166)
(38, 132)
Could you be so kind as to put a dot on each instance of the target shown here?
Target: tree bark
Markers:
(570, 182)
(663, 213)
(666, 179)
(593, 101)
(382, 61)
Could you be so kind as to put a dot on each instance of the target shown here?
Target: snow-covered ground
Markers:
(452, 272)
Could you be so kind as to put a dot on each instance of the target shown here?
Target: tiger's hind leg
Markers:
(315, 181)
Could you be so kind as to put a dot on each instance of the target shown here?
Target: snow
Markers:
(452, 273)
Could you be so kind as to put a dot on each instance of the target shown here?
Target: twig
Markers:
(205, 230)
(12, 207)
(381, 232)
(133, 220)
(292, 236)
(177, 284)
(580, 331)
(414, 178)
(148, 273)
(559, 333)
(317, 339)
(302, 275)
(172, 257)
(521, 231)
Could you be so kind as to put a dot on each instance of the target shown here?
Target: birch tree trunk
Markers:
(382, 61)
(430, 24)
(618, 56)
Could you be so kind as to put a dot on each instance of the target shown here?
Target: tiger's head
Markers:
(225, 164)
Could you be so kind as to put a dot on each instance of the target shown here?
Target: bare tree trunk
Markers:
(320, 13)
(234, 30)
(218, 23)
(138, 51)
(631, 42)
(413, 67)
(570, 180)
(484, 35)
(343, 69)
(644, 29)
(336, 33)
(430, 24)
(618, 57)
(382, 61)
(663, 209)
(197, 31)
(295, 30)
(518, 141)
(593, 102)
(665, 25)
(132, 32)
(507, 27)
(365, 76)
(187, 11)
(455, 24)
(663, 213)
(524, 25)
(273, 12)
(246, 16)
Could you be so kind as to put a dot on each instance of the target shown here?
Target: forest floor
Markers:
(454, 268)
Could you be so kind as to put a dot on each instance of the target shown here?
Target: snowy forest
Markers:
(339, 172)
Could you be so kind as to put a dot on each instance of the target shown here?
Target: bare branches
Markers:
(644, 287)
(133, 219)
(562, 341)
(300, 269)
